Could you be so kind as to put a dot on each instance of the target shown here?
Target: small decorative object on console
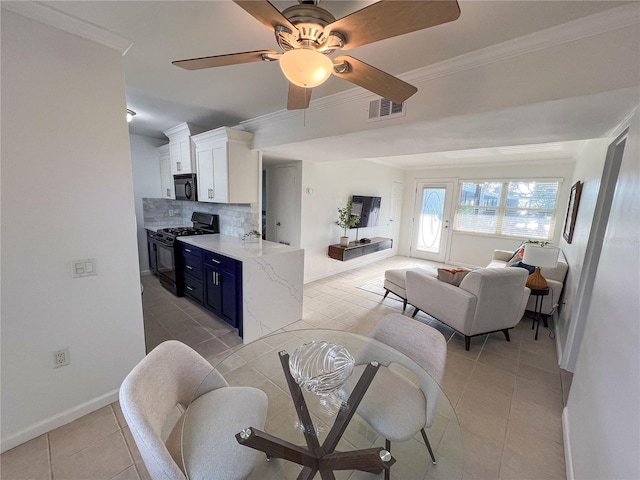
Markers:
(252, 237)
(322, 368)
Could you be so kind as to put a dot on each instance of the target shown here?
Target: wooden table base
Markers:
(315, 457)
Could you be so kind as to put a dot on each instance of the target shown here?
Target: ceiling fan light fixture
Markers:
(305, 67)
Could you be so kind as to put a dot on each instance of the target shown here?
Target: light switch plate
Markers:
(83, 268)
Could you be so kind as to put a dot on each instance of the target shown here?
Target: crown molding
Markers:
(592, 25)
(55, 18)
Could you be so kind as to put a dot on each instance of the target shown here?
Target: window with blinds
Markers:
(512, 208)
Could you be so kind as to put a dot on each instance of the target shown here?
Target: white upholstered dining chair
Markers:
(154, 397)
(395, 407)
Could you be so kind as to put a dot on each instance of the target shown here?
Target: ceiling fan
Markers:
(309, 34)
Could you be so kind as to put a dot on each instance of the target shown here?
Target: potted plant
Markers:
(346, 220)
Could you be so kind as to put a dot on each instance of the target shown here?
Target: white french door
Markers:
(431, 225)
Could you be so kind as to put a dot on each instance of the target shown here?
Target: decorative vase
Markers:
(536, 281)
(322, 368)
(344, 241)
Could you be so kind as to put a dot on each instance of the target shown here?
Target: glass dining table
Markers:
(307, 423)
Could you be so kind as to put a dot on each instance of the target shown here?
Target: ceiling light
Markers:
(306, 68)
(130, 114)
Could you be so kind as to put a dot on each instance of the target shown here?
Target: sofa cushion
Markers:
(452, 276)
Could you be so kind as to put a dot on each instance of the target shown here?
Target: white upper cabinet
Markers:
(226, 166)
(166, 176)
(180, 151)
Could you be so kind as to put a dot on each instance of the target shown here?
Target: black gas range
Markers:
(162, 247)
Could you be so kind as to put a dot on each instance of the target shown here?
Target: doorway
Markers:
(431, 225)
(397, 190)
(282, 185)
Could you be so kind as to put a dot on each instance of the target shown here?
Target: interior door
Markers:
(431, 221)
(280, 207)
(396, 210)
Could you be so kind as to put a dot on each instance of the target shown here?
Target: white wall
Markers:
(66, 194)
(333, 183)
(146, 183)
(469, 249)
(602, 417)
(588, 170)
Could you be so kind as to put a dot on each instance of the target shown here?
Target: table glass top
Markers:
(258, 365)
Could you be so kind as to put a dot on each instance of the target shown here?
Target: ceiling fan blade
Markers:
(223, 60)
(374, 80)
(390, 18)
(265, 13)
(299, 97)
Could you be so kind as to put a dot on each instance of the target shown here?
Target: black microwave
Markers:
(186, 187)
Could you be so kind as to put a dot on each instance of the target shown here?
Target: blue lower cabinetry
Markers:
(190, 272)
(214, 281)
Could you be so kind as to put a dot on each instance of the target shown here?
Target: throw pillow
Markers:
(515, 259)
(530, 268)
(519, 251)
(452, 276)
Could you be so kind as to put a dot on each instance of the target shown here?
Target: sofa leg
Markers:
(386, 292)
(387, 471)
(467, 343)
(415, 312)
(404, 305)
(506, 334)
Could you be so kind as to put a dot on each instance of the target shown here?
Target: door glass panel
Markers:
(430, 220)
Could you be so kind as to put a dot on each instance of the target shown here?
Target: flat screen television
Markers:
(368, 208)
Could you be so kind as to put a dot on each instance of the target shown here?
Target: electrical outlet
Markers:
(61, 358)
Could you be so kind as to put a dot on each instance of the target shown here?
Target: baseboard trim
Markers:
(57, 420)
(556, 320)
(568, 460)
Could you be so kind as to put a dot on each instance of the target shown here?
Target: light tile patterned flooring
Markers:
(508, 396)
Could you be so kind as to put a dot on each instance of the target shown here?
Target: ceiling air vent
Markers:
(382, 109)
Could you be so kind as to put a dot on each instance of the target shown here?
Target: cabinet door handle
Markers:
(190, 289)
(187, 250)
(178, 166)
(215, 261)
(189, 267)
(168, 192)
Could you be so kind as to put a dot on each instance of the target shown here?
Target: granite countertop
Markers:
(235, 248)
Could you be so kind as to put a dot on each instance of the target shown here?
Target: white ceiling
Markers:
(164, 95)
(161, 31)
(557, 127)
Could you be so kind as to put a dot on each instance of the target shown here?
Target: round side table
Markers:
(540, 294)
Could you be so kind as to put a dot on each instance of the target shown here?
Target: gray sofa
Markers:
(555, 279)
(487, 300)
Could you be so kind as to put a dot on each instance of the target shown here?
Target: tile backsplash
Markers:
(235, 219)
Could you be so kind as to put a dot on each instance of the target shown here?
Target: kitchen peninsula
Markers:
(271, 279)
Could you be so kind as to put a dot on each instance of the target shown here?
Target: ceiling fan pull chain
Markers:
(304, 112)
